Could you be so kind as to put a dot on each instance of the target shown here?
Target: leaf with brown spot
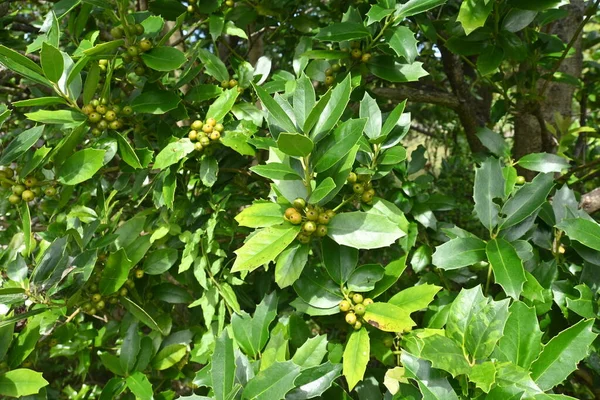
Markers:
(388, 317)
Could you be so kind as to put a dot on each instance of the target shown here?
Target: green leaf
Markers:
(582, 230)
(490, 59)
(164, 58)
(414, 7)
(261, 214)
(386, 67)
(156, 102)
(393, 156)
(330, 115)
(126, 152)
(543, 162)
(115, 272)
(40, 101)
(264, 246)
(527, 200)
(169, 356)
(56, 116)
(313, 382)
(277, 171)
(493, 141)
(388, 317)
(52, 62)
(363, 230)
(489, 185)
(392, 272)
(130, 348)
(21, 382)
(222, 370)
(81, 166)
(311, 353)
(402, 40)
(295, 144)
(432, 383)
(459, 252)
(278, 114)
(365, 277)
(584, 304)
(537, 5)
(507, 266)
(173, 153)
(317, 290)
(201, 93)
(473, 14)
(326, 54)
(22, 65)
(303, 100)
(444, 353)
(290, 264)
(376, 13)
(273, 382)
(562, 353)
(516, 20)
(214, 66)
(356, 356)
(337, 145)
(237, 141)
(220, 107)
(369, 110)
(324, 188)
(21, 144)
(342, 31)
(522, 340)
(139, 385)
(483, 375)
(209, 168)
(140, 314)
(339, 261)
(415, 298)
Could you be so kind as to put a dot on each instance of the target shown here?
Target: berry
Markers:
(229, 3)
(103, 62)
(96, 132)
(8, 172)
(115, 107)
(95, 103)
(357, 298)
(132, 51)
(359, 309)
(388, 341)
(113, 300)
(336, 67)
(365, 57)
(127, 110)
(330, 214)
(53, 342)
(114, 125)
(139, 29)
(96, 298)
(101, 109)
(207, 128)
(110, 116)
(352, 177)
(367, 197)
(299, 203)
(87, 109)
(211, 121)
(289, 212)
(102, 125)
(309, 227)
(123, 292)
(139, 273)
(357, 325)
(357, 54)
(50, 191)
(139, 70)
(198, 146)
(367, 301)
(321, 231)
(94, 117)
(295, 218)
(323, 218)
(126, 58)
(197, 125)
(92, 311)
(329, 80)
(93, 287)
(233, 83)
(18, 189)
(86, 306)
(329, 71)
(225, 84)
(14, 199)
(193, 135)
(219, 128)
(204, 141)
(312, 215)
(28, 196)
(351, 318)
(190, 8)
(215, 135)
(100, 305)
(358, 188)
(345, 305)
(520, 180)
(304, 239)
(36, 190)
(117, 32)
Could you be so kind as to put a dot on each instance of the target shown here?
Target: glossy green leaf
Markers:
(473, 14)
(527, 200)
(169, 356)
(22, 65)
(459, 252)
(356, 356)
(522, 340)
(483, 375)
(214, 66)
(130, 348)
(313, 382)
(303, 101)
(516, 20)
(363, 230)
(140, 314)
(261, 214)
(328, 118)
(311, 353)
(365, 277)
(81, 166)
(156, 102)
(323, 190)
(391, 274)
(582, 230)
(173, 153)
(273, 382)
(433, 383)
(339, 260)
(402, 40)
(277, 113)
(445, 354)
(386, 67)
(562, 353)
(52, 62)
(507, 266)
(414, 7)
(393, 156)
(220, 107)
(489, 185)
(21, 382)
(388, 317)
(337, 145)
(139, 385)
(56, 117)
(295, 144)
(584, 304)
(290, 264)
(317, 290)
(369, 110)
(21, 144)
(164, 58)
(276, 171)
(342, 31)
(222, 370)
(115, 272)
(490, 59)
(415, 298)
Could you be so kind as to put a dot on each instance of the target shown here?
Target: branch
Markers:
(590, 202)
(419, 96)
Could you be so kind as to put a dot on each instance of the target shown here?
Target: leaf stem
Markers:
(488, 280)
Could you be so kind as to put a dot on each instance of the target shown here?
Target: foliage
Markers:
(182, 217)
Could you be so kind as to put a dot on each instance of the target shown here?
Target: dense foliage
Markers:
(214, 199)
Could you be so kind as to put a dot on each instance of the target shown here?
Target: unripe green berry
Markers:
(94, 117)
(357, 298)
(358, 188)
(27, 195)
(14, 199)
(110, 116)
(352, 177)
(359, 309)
(295, 218)
(309, 227)
(127, 110)
(50, 191)
(18, 189)
(299, 203)
(345, 306)
(139, 273)
(351, 318)
(367, 301)
(357, 325)
(321, 231)
(312, 215)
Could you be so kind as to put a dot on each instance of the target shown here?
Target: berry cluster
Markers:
(362, 187)
(98, 303)
(230, 84)
(193, 7)
(356, 52)
(355, 307)
(26, 189)
(330, 74)
(103, 116)
(135, 46)
(314, 219)
(205, 134)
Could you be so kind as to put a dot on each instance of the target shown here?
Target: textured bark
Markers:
(419, 95)
(590, 202)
